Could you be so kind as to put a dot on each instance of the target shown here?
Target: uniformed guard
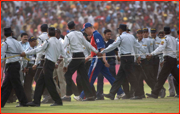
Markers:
(126, 42)
(52, 49)
(156, 60)
(11, 47)
(170, 49)
(76, 41)
(30, 73)
(142, 69)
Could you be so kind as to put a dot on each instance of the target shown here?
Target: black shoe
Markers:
(143, 96)
(66, 98)
(33, 104)
(100, 98)
(110, 96)
(136, 98)
(171, 96)
(125, 97)
(56, 104)
(22, 105)
(89, 99)
(152, 95)
(177, 96)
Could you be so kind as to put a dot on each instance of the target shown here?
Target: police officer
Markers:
(52, 48)
(76, 39)
(12, 77)
(169, 47)
(28, 69)
(126, 42)
(142, 71)
(156, 59)
(44, 36)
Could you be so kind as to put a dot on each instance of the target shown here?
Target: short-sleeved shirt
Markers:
(97, 42)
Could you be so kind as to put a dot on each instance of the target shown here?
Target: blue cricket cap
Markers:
(86, 26)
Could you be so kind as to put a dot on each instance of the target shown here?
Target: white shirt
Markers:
(144, 44)
(126, 42)
(53, 48)
(168, 46)
(9, 47)
(24, 45)
(31, 57)
(76, 40)
(151, 43)
(157, 42)
(44, 36)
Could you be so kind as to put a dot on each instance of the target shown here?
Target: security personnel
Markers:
(141, 69)
(155, 59)
(52, 49)
(12, 77)
(28, 69)
(76, 41)
(44, 36)
(126, 42)
(170, 49)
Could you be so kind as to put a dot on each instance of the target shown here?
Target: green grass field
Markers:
(148, 105)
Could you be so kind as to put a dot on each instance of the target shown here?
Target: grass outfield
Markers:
(149, 105)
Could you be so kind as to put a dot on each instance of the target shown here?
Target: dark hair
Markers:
(51, 33)
(161, 32)
(178, 32)
(24, 34)
(167, 32)
(106, 31)
(7, 34)
(58, 31)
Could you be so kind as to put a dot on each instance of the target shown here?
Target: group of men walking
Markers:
(51, 61)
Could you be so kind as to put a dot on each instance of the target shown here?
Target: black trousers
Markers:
(155, 66)
(12, 81)
(78, 79)
(125, 71)
(143, 72)
(28, 84)
(169, 66)
(100, 82)
(127, 88)
(79, 65)
(46, 80)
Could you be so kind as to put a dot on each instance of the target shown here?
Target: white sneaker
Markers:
(78, 98)
(120, 96)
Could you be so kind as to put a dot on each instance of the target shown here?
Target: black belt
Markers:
(126, 54)
(12, 63)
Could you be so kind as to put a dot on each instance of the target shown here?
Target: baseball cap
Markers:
(86, 26)
(32, 38)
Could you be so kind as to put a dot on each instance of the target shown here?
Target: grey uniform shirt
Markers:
(126, 42)
(151, 44)
(144, 44)
(43, 37)
(168, 46)
(9, 47)
(31, 57)
(53, 48)
(76, 40)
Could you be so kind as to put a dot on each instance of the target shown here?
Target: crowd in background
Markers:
(29, 16)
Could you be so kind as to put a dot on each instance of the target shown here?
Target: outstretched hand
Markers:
(99, 54)
(23, 54)
(149, 56)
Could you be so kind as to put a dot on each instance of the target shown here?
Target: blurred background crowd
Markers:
(28, 16)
